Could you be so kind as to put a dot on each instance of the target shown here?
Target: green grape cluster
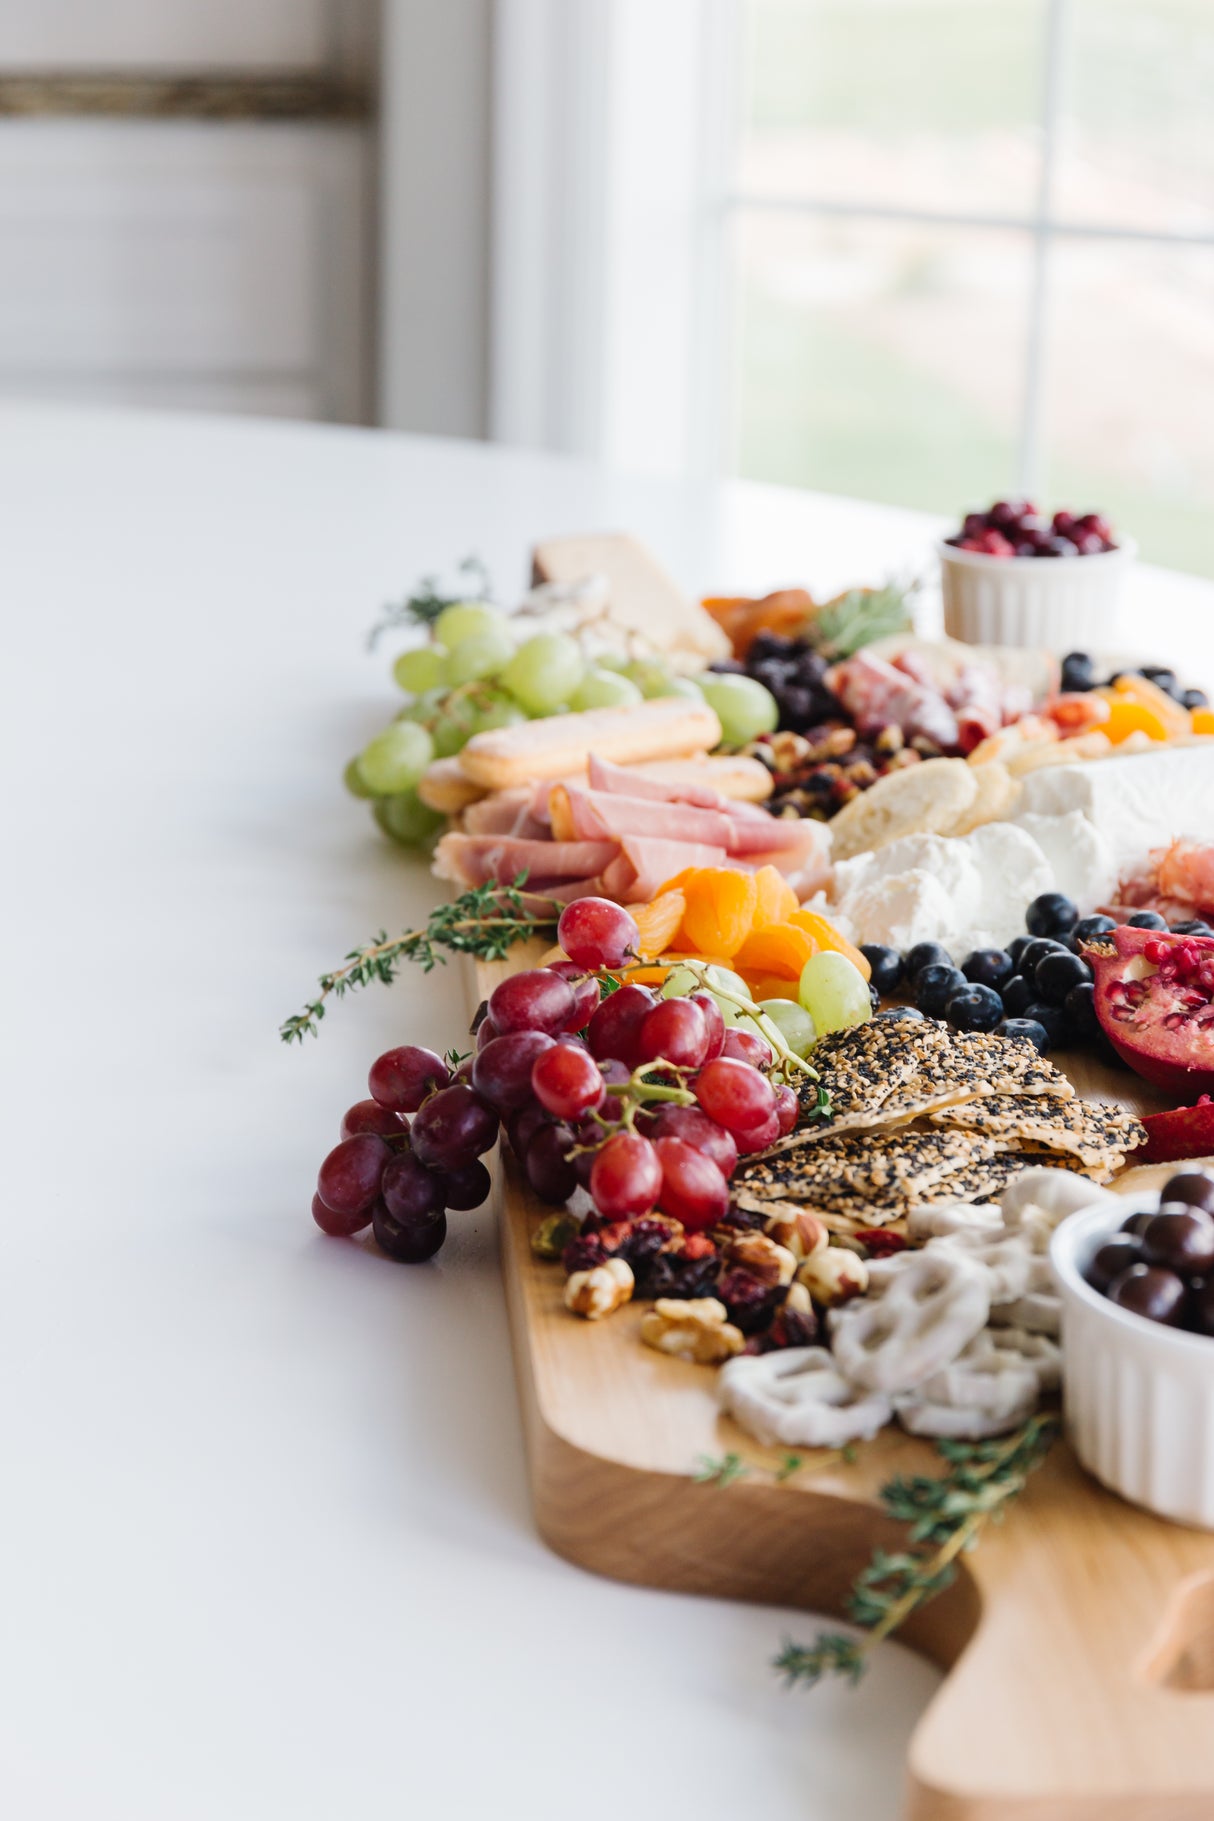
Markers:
(480, 670)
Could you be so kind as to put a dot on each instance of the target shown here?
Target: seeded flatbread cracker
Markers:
(882, 1166)
(917, 800)
(1097, 1134)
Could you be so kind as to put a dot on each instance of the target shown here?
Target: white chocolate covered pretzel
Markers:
(799, 1398)
(921, 1310)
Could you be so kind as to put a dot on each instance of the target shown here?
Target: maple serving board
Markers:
(1077, 1640)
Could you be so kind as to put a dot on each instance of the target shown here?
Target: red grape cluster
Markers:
(646, 1103)
(399, 1177)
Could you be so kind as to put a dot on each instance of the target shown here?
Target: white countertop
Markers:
(265, 1544)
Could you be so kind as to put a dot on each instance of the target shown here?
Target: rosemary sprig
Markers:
(861, 616)
(426, 601)
(486, 921)
(946, 1515)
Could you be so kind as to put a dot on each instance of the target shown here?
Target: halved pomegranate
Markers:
(1155, 1003)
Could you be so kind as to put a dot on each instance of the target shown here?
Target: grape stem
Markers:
(771, 1030)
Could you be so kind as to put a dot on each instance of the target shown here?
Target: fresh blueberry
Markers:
(1052, 914)
(1052, 1019)
(974, 1008)
(1018, 995)
(926, 954)
(886, 964)
(935, 986)
(1027, 1030)
(1193, 928)
(1016, 948)
(1078, 672)
(1146, 920)
(891, 1013)
(1057, 974)
(874, 997)
(1161, 676)
(1087, 927)
(1035, 952)
(1194, 698)
(988, 967)
(1080, 1008)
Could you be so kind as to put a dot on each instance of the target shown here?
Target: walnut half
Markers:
(771, 1263)
(698, 1330)
(600, 1291)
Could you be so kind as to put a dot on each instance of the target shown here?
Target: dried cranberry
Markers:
(614, 1236)
(583, 1254)
(878, 1243)
(697, 1245)
(748, 1301)
(741, 1220)
(668, 1275)
(645, 1240)
(789, 1328)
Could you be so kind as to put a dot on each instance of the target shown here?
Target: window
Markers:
(971, 250)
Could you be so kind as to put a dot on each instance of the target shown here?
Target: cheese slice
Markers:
(642, 598)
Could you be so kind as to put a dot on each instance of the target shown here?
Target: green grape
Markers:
(686, 687)
(794, 1024)
(745, 709)
(406, 818)
(501, 712)
(603, 689)
(396, 758)
(834, 992)
(354, 781)
(466, 620)
(421, 669)
(651, 676)
(452, 733)
(425, 707)
(613, 660)
(680, 981)
(544, 672)
(482, 654)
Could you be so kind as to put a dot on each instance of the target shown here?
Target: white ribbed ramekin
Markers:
(1064, 603)
(1138, 1396)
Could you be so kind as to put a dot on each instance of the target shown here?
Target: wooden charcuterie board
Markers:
(1077, 1641)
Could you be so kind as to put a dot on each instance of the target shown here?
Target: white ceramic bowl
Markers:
(1138, 1396)
(1064, 603)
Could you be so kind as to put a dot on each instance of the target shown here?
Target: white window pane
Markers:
(1129, 380)
(883, 360)
(1137, 141)
(931, 104)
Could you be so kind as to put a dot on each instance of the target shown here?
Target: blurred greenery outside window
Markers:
(972, 254)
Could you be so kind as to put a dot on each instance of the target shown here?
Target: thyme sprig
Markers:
(423, 605)
(946, 1515)
(486, 921)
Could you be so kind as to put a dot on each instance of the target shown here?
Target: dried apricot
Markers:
(781, 948)
(1202, 720)
(658, 922)
(720, 909)
(777, 899)
(827, 936)
(764, 986)
(1127, 716)
(1156, 701)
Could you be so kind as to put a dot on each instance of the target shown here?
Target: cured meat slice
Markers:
(599, 815)
(480, 859)
(636, 781)
(497, 814)
(644, 864)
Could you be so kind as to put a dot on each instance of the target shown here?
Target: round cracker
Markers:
(995, 801)
(916, 800)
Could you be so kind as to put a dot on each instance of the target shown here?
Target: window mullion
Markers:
(1032, 421)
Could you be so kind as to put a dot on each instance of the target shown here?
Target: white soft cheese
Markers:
(966, 893)
(1081, 857)
(1137, 803)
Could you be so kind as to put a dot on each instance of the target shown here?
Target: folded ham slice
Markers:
(499, 859)
(599, 815)
(644, 864)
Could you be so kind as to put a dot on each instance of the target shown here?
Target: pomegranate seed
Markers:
(1156, 951)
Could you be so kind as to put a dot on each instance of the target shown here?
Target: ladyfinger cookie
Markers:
(446, 787)
(669, 728)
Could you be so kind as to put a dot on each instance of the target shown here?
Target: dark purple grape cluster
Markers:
(796, 676)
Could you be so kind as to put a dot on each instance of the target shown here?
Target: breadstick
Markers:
(669, 728)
